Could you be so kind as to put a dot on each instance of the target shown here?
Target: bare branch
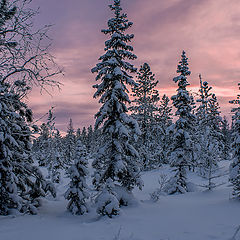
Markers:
(24, 51)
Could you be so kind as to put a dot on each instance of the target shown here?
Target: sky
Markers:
(208, 30)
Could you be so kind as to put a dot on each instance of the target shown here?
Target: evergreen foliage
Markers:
(117, 158)
(235, 165)
(144, 108)
(41, 144)
(70, 142)
(226, 137)
(78, 134)
(182, 148)
(107, 201)
(163, 131)
(208, 131)
(78, 191)
(49, 148)
(21, 183)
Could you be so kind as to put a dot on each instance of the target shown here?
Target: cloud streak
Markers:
(208, 30)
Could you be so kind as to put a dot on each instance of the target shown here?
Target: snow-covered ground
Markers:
(200, 215)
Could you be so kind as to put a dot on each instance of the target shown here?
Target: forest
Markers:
(96, 170)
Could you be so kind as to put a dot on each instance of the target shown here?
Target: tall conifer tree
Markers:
(162, 131)
(182, 149)
(77, 193)
(70, 144)
(117, 159)
(209, 132)
(21, 183)
(144, 108)
(235, 165)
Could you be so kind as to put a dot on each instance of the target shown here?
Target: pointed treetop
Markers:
(70, 129)
(204, 90)
(119, 23)
(145, 68)
(183, 65)
(183, 70)
(116, 7)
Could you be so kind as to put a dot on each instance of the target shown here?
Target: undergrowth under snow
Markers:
(199, 215)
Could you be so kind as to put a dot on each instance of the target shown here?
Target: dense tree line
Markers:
(133, 132)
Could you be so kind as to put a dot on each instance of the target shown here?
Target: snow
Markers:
(200, 215)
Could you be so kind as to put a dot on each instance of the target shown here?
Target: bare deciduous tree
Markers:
(25, 51)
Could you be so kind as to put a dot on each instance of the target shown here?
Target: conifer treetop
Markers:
(115, 156)
(120, 22)
(70, 129)
(183, 101)
(183, 69)
(113, 69)
(146, 94)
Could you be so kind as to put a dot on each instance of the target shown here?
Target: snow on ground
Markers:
(200, 215)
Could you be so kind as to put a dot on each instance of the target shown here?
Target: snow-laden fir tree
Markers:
(215, 120)
(226, 136)
(182, 147)
(83, 137)
(163, 131)
(107, 201)
(78, 191)
(55, 154)
(117, 159)
(49, 148)
(49, 151)
(208, 131)
(144, 107)
(21, 183)
(58, 158)
(90, 139)
(41, 144)
(94, 140)
(78, 134)
(165, 111)
(235, 165)
(209, 135)
(69, 143)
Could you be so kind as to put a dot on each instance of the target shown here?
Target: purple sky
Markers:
(208, 30)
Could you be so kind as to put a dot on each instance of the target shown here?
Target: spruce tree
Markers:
(41, 144)
(162, 131)
(58, 160)
(182, 149)
(49, 149)
(77, 192)
(235, 165)
(144, 108)
(21, 183)
(117, 159)
(107, 201)
(83, 137)
(209, 132)
(226, 135)
(215, 120)
(70, 142)
(78, 134)
(90, 138)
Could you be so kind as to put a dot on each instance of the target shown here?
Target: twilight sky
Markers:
(208, 30)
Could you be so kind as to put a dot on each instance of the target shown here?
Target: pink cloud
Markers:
(208, 30)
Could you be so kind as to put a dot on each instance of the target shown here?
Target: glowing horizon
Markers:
(208, 30)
